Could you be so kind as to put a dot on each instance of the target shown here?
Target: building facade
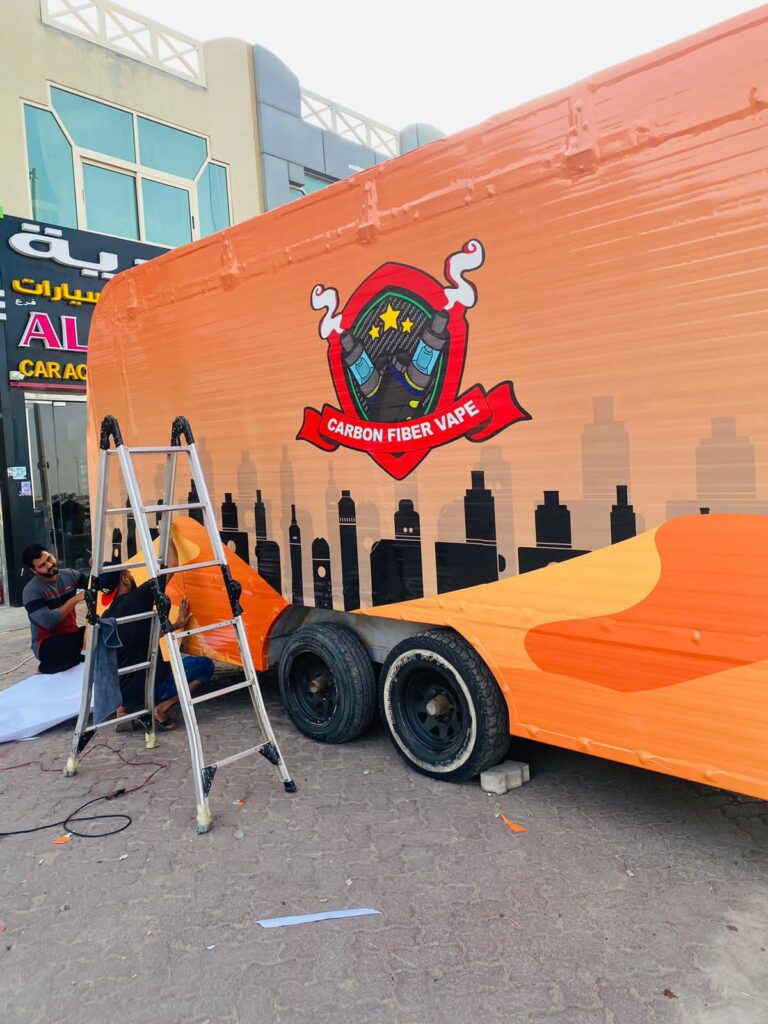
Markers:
(122, 138)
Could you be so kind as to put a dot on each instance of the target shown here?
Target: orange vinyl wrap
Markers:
(622, 295)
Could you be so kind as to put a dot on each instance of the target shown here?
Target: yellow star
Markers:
(406, 326)
(389, 317)
(373, 333)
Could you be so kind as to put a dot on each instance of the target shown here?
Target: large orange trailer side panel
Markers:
(587, 275)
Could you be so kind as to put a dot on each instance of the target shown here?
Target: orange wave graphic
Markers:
(706, 614)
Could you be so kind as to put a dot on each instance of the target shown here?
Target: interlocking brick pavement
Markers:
(626, 884)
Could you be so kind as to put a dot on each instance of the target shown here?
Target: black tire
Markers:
(327, 683)
(468, 730)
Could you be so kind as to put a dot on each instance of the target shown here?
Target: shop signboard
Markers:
(51, 280)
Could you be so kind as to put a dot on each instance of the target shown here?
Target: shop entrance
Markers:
(56, 427)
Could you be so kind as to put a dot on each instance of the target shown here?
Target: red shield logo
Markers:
(396, 353)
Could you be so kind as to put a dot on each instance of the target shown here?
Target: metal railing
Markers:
(341, 121)
(112, 26)
(126, 32)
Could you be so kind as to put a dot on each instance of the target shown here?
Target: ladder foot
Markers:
(203, 819)
(70, 769)
(290, 786)
(150, 740)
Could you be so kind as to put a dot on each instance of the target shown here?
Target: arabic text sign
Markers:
(52, 279)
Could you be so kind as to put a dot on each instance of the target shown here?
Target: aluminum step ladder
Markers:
(159, 571)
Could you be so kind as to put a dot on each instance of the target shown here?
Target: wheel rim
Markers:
(313, 689)
(433, 712)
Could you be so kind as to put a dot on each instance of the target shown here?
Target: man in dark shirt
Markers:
(124, 597)
(50, 599)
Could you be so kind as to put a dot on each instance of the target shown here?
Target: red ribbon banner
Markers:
(476, 415)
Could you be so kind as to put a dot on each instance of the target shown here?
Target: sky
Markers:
(452, 63)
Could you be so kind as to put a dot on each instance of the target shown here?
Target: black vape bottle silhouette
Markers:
(193, 498)
(396, 567)
(229, 533)
(130, 544)
(553, 536)
(623, 518)
(350, 570)
(477, 561)
(154, 531)
(408, 377)
(297, 575)
(321, 573)
(116, 556)
(267, 551)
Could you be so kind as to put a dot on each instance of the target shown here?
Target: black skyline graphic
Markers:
(726, 471)
(130, 541)
(297, 573)
(623, 518)
(231, 535)
(193, 498)
(154, 531)
(477, 560)
(267, 551)
(553, 536)
(350, 571)
(321, 573)
(396, 566)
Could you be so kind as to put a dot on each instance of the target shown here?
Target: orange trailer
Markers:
(488, 427)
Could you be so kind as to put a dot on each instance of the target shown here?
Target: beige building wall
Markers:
(33, 54)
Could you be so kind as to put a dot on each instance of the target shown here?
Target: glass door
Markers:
(56, 428)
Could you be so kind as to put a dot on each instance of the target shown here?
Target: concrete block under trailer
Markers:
(492, 416)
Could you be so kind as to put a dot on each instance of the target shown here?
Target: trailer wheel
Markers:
(327, 683)
(444, 711)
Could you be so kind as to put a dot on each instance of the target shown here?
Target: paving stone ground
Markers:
(632, 897)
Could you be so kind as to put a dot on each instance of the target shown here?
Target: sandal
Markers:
(166, 726)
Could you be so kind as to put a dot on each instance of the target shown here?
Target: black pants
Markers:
(58, 653)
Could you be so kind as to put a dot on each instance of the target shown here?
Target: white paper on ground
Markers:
(325, 915)
(39, 702)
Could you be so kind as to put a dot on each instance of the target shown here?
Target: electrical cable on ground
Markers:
(14, 667)
(66, 823)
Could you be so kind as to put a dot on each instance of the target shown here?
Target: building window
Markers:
(110, 201)
(95, 166)
(95, 126)
(51, 178)
(167, 217)
(171, 150)
(313, 183)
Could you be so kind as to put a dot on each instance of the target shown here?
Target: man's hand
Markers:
(184, 615)
(79, 596)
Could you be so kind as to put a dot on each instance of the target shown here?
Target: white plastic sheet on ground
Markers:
(39, 702)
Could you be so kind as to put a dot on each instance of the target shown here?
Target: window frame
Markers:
(80, 155)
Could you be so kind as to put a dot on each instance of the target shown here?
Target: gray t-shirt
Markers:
(42, 600)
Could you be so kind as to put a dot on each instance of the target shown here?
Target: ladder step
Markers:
(165, 449)
(121, 566)
(133, 618)
(184, 507)
(220, 693)
(236, 757)
(203, 629)
(126, 510)
(122, 718)
(186, 568)
(133, 668)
